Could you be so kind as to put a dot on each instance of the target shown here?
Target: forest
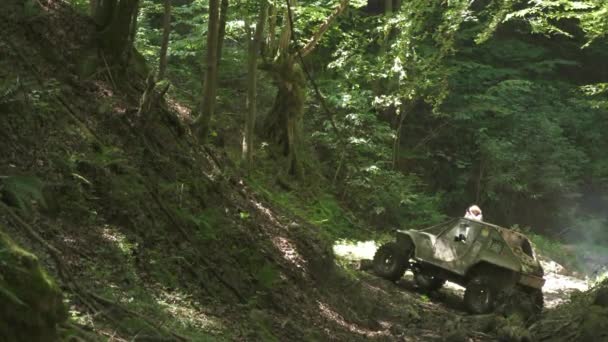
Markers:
(225, 170)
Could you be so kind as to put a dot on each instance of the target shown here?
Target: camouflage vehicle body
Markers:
(485, 258)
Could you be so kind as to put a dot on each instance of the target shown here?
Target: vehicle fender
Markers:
(422, 242)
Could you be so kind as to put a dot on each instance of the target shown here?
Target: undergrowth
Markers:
(315, 205)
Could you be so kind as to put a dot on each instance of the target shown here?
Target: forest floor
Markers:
(154, 237)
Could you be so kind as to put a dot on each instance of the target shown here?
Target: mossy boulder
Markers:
(32, 305)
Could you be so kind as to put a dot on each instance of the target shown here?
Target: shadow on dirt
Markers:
(449, 296)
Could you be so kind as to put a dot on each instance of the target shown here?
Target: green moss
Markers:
(32, 304)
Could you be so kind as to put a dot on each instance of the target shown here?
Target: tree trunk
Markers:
(209, 85)
(162, 67)
(388, 7)
(92, 7)
(270, 49)
(254, 47)
(222, 30)
(397, 142)
(283, 124)
(116, 21)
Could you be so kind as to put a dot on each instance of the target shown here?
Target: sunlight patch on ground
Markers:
(355, 250)
(112, 234)
(289, 252)
(265, 211)
(558, 288)
(182, 308)
(331, 315)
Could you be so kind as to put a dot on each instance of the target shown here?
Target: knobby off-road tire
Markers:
(479, 296)
(428, 282)
(391, 261)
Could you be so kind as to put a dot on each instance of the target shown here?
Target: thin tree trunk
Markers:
(397, 142)
(388, 7)
(270, 37)
(162, 67)
(397, 5)
(93, 7)
(132, 34)
(285, 38)
(209, 86)
(254, 47)
(479, 179)
(222, 30)
(314, 40)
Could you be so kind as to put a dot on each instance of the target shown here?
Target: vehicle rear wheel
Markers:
(428, 282)
(523, 301)
(390, 261)
(479, 296)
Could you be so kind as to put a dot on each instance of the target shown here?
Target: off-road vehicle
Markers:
(491, 262)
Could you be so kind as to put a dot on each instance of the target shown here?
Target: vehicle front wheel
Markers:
(479, 296)
(428, 282)
(390, 261)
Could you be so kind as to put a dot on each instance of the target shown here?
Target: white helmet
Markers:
(475, 210)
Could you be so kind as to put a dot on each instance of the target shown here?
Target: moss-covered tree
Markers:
(283, 124)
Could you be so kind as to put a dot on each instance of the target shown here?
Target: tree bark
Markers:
(162, 65)
(270, 49)
(116, 21)
(222, 30)
(93, 7)
(209, 85)
(388, 7)
(254, 47)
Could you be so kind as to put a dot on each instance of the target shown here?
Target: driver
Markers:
(474, 213)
